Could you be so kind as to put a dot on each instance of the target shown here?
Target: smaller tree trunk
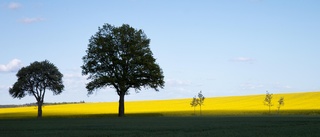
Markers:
(40, 109)
(121, 105)
(269, 109)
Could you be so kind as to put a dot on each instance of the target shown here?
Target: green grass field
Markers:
(221, 116)
(134, 126)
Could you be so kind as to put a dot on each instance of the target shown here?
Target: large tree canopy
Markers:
(35, 79)
(120, 57)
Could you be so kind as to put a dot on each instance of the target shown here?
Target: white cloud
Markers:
(281, 86)
(74, 79)
(3, 87)
(12, 66)
(255, 1)
(175, 83)
(265, 86)
(31, 20)
(14, 5)
(246, 86)
(242, 59)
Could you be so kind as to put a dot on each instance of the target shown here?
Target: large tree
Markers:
(120, 57)
(35, 79)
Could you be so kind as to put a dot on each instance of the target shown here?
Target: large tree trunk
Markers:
(40, 109)
(121, 104)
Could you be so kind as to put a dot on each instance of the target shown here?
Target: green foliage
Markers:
(197, 101)
(200, 100)
(35, 79)
(120, 57)
(194, 104)
(280, 103)
(268, 100)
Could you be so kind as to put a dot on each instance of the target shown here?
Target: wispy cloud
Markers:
(265, 86)
(281, 86)
(13, 66)
(255, 1)
(175, 82)
(243, 59)
(3, 87)
(14, 6)
(74, 81)
(247, 86)
(31, 20)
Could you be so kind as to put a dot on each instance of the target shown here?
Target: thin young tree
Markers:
(200, 101)
(120, 57)
(268, 100)
(194, 104)
(280, 103)
(35, 80)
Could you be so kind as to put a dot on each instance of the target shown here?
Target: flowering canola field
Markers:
(230, 105)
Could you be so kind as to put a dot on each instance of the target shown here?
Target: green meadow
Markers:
(157, 126)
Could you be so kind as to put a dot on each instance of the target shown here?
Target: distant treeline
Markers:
(35, 104)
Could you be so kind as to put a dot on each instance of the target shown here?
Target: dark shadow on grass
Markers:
(28, 116)
(126, 115)
(107, 115)
(17, 115)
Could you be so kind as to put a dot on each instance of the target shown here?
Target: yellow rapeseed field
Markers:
(304, 101)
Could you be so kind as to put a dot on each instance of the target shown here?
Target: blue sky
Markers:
(222, 47)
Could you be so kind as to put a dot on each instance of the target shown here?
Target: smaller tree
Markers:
(194, 104)
(280, 103)
(200, 101)
(268, 100)
(35, 80)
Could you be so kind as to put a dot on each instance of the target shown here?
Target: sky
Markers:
(219, 47)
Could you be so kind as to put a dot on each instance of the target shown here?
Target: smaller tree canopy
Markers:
(281, 101)
(35, 79)
(194, 102)
(201, 98)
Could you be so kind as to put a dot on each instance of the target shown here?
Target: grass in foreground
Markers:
(263, 126)
(223, 116)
